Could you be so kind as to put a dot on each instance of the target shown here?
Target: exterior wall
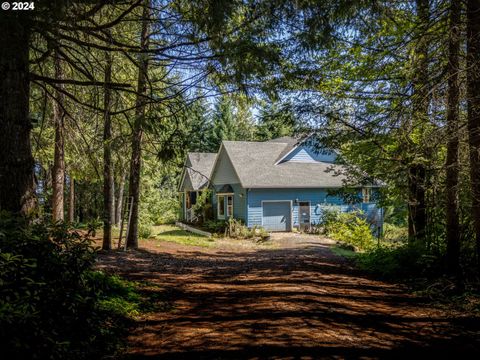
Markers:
(224, 171)
(239, 202)
(319, 201)
(306, 154)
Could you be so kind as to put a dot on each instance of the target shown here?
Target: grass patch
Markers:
(174, 234)
(346, 253)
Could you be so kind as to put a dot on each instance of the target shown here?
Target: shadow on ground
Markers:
(295, 303)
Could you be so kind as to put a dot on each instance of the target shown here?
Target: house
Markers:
(280, 184)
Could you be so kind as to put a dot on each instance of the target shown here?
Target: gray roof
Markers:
(199, 168)
(255, 162)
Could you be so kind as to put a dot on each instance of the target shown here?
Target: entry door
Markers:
(304, 215)
(277, 216)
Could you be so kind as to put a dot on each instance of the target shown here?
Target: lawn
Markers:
(174, 234)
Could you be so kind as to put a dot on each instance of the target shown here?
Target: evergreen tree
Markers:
(223, 122)
(275, 121)
(200, 127)
(244, 123)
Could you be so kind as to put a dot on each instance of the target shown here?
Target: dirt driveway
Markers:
(296, 300)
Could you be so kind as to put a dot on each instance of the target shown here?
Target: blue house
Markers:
(279, 185)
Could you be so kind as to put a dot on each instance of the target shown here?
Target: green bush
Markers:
(350, 228)
(144, 230)
(395, 234)
(215, 226)
(403, 262)
(50, 303)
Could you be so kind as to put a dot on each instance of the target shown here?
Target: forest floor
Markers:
(291, 299)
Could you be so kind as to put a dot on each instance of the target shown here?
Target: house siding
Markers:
(305, 154)
(224, 172)
(319, 201)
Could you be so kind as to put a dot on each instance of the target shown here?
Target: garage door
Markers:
(277, 216)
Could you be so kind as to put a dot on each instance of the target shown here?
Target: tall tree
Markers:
(451, 164)
(137, 135)
(275, 120)
(17, 186)
(71, 200)
(417, 172)
(223, 121)
(199, 125)
(108, 179)
(58, 176)
(473, 112)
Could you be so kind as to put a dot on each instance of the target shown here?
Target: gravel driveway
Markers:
(295, 300)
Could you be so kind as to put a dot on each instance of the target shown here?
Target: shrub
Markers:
(93, 225)
(50, 306)
(215, 226)
(403, 262)
(395, 234)
(144, 231)
(350, 228)
(237, 230)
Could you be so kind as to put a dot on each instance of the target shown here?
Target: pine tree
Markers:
(223, 122)
(275, 121)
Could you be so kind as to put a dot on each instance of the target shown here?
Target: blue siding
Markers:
(306, 154)
(319, 201)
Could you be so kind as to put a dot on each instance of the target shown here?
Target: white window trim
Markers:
(225, 205)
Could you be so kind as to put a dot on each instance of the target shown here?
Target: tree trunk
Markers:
(59, 152)
(135, 163)
(119, 202)
(451, 164)
(17, 184)
(473, 112)
(107, 159)
(417, 219)
(71, 201)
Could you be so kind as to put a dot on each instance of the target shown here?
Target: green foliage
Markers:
(236, 229)
(115, 295)
(158, 199)
(275, 121)
(144, 230)
(395, 234)
(93, 225)
(51, 304)
(350, 228)
(203, 205)
(403, 262)
(223, 121)
(215, 226)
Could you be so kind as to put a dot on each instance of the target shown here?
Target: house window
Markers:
(221, 207)
(366, 194)
(188, 203)
(229, 205)
(224, 203)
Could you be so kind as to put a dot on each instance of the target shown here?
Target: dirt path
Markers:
(293, 302)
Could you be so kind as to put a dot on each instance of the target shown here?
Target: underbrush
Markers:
(52, 305)
(348, 228)
(402, 262)
(235, 229)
